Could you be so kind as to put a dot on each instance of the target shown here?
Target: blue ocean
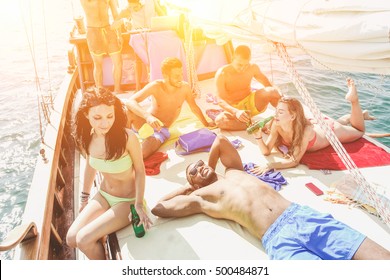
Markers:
(34, 58)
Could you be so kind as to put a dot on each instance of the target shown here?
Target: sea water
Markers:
(37, 32)
(32, 32)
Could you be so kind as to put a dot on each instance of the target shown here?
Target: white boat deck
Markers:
(202, 237)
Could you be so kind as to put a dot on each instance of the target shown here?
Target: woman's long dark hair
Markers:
(116, 138)
(299, 123)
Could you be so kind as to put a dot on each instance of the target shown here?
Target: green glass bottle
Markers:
(138, 228)
(258, 125)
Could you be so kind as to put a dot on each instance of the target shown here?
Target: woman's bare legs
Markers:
(357, 119)
(346, 133)
(96, 221)
(346, 119)
(88, 238)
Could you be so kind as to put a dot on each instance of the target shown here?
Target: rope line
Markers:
(370, 86)
(50, 95)
(192, 76)
(44, 100)
(31, 45)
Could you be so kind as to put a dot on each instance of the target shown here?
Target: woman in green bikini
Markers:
(112, 149)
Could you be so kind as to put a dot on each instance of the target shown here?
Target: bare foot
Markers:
(367, 116)
(118, 92)
(378, 135)
(351, 95)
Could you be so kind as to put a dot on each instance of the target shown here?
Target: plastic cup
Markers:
(80, 24)
(145, 131)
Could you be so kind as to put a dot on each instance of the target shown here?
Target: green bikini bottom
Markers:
(113, 200)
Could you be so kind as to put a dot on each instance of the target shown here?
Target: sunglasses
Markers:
(194, 169)
(286, 98)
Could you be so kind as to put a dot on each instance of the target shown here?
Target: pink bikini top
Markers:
(309, 145)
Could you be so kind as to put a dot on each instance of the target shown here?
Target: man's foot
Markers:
(367, 116)
(351, 95)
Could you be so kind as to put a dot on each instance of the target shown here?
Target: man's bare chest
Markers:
(169, 101)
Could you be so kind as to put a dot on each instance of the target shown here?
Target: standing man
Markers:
(103, 39)
(236, 96)
(167, 97)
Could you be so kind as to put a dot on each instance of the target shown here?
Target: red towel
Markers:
(363, 153)
(153, 162)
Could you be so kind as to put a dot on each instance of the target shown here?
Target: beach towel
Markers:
(363, 153)
(153, 163)
(273, 178)
(236, 143)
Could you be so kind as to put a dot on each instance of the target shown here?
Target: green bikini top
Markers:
(111, 166)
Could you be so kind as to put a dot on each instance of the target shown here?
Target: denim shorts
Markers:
(302, 233)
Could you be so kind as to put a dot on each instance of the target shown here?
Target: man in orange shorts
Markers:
(239, 101)
(103, 39)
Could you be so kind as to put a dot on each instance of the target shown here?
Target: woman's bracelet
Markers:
(139, 204)
(84, 197)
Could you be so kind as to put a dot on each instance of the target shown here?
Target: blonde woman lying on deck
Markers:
(298, 134)
(253, 204)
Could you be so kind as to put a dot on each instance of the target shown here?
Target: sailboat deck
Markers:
(202, 237)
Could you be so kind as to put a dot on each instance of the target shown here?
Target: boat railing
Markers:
(47, 218)
(20, 234)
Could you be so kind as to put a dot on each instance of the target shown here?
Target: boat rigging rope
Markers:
(50, 96)
(43, 101)
(31, 45)
(190, 60)
(363, 186)
(370, 86)
(271, 68)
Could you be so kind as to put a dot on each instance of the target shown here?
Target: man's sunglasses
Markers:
(194, 169)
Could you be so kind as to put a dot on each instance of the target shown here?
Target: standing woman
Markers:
(109, 147)
(297, 134)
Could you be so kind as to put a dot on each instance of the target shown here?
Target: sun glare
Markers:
(10, 11)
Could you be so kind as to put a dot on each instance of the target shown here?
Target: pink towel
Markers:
(153, 47)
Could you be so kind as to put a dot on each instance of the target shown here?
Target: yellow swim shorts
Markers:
(248, 104)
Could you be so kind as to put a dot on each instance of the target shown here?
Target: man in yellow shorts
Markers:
(102, 39)
(239, 101)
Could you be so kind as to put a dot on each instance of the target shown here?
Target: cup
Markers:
(80, 24)
(145, 131)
